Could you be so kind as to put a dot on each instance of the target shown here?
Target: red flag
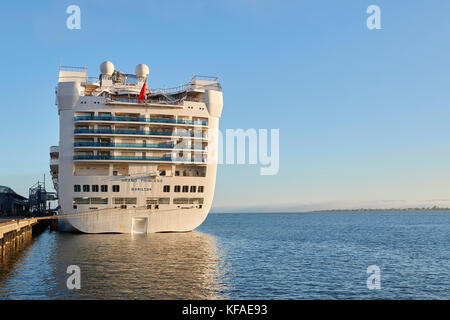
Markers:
(143, 91)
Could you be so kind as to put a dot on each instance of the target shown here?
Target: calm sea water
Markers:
(245, 256)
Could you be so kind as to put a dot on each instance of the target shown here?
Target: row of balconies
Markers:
(137, 145)
(141, 119)
(166, 158)
(173, 133)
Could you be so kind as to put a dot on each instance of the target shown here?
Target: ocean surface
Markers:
(245, 256)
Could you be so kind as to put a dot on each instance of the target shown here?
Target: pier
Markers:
(14, 232)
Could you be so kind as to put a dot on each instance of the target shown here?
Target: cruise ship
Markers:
(132, 158)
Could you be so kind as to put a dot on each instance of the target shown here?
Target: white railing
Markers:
(54, 149)
(71, 68)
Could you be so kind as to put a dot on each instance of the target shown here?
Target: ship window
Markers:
(164, 200)
(196, 201)
(118, 200)
(166, 189)
(185, 188)
(95, 188)
(177, 188)
(99, 200)
(193, 188)
(124, 200)
(116, 188)
(104, 188)
(80, 201)
(86, 188)
(77, 188)
(180, 201)
(130, 200)
(200, 188)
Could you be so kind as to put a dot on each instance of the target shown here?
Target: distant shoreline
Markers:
(388, 209)
(337, 210)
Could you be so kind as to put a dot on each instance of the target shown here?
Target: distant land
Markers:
(340, 210)
(334, 206)
(435, 208)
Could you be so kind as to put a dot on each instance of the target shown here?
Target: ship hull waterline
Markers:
(135, 221)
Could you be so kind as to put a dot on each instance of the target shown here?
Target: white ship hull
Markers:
(134, 221)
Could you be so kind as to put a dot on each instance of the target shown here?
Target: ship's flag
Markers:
(143, 91)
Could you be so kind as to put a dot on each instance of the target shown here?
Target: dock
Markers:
(14, 232)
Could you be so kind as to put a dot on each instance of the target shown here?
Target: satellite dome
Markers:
(141, 70)
(107, 68)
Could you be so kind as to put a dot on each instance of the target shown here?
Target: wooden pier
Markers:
(14, 232)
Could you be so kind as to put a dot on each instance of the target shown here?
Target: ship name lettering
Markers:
(141, 189)
(141, 180)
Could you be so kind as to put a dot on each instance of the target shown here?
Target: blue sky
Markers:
(363, 114)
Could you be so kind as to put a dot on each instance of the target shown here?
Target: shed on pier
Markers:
(12, 204)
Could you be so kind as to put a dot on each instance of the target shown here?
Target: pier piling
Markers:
(14, 233)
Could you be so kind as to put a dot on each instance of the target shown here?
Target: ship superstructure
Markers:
(133, 159)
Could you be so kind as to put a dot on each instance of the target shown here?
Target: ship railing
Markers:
(181, 88)
(72, 68)
(184, 87)
(54, 149)
(81, 79)
(165, 100)
(92, 79)
(156, 133)
(135, 145)
(178, 121)
(138, 158)
(208, 78)
(132, 119)
(124, 145)
(187, 86)
(130, 79)
(163, 95)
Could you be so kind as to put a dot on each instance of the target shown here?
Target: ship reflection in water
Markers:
(120, 266)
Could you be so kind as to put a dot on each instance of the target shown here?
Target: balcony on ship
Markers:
(54, 158)
(141, 119)
(135, 155)
(113, 145)
(139, 132)
(165, 158)
(54, 165)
